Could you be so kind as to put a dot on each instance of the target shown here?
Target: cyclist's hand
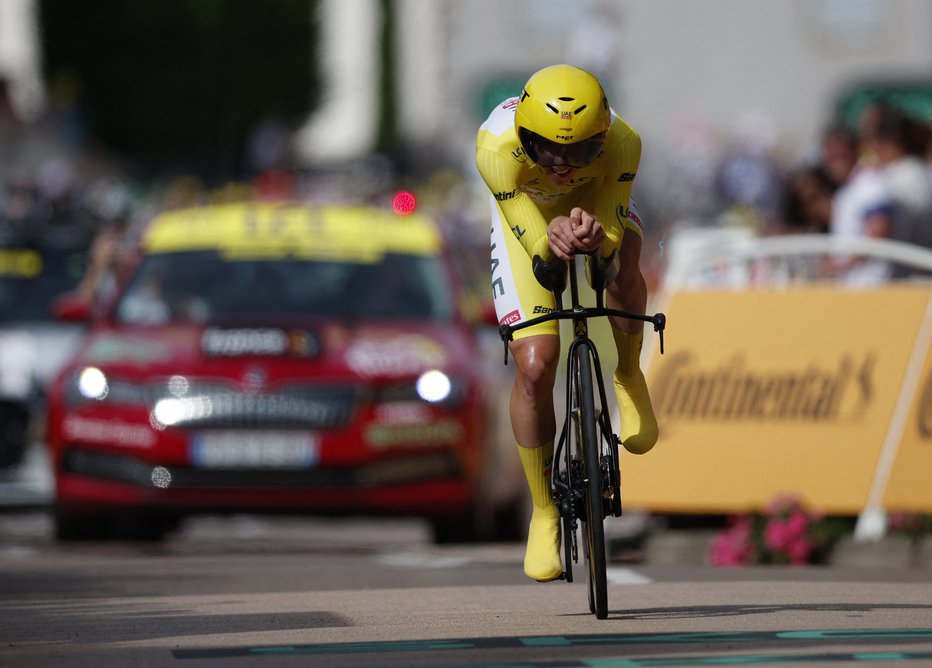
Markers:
(587, 229)
(561, 238)
(579, 232)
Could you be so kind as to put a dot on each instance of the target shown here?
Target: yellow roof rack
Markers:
(277, 230)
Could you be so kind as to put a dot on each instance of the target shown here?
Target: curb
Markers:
(689, 548)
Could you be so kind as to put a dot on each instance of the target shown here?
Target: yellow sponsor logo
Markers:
(20, 263)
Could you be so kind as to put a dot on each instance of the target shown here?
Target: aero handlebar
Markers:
(577, 312)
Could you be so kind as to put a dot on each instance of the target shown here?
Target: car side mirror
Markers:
(72, 307)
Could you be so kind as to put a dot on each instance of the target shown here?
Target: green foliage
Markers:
(182, 82)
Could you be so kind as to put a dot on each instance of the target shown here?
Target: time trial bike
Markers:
(586, 474)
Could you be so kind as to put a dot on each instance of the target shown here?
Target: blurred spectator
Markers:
(269, 146)
(839, 153)
(9, 125)
(806, 205)
(899, 144)
(862, 207)
(749, 176)
(689, 179)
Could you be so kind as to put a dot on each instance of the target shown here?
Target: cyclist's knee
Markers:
(536, 360)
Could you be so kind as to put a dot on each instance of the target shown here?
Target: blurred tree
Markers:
(387, 128)
(181, 84)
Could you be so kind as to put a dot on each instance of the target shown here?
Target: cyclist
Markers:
(560, 165)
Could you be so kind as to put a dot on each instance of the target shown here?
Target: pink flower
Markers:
(798, 551)
(797, 523)
(898, 521)
(725, 552)
(732, 547)
(777, 535)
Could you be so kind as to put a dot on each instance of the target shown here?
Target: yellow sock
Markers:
(542, 558)
(638, 424)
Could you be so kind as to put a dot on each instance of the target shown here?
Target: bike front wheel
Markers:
(593, 528)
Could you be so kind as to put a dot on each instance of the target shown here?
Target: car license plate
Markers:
(253, 450)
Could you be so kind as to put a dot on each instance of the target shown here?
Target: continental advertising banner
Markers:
(763, 393)
(909, 486)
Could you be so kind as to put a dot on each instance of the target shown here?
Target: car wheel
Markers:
(14, 422)
(456, 529)
(510, 521)
(501, 523)
(147, 528)
(72, 526)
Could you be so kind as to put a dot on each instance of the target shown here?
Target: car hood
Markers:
(368, 351)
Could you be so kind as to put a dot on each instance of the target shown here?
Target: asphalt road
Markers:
(245, 591)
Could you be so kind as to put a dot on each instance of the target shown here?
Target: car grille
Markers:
(394, 471)
(309, 409)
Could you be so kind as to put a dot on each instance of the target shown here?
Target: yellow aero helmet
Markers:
(562, 117)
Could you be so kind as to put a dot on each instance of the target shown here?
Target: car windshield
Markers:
(30, 279)
(202, 286)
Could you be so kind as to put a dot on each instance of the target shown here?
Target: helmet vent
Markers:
(566, 99)
(580, 109)
(552, 108)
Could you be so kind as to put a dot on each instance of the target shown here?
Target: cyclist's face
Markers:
(559, 175)
(560, 161)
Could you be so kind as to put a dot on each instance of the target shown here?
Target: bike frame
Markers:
(572, 487)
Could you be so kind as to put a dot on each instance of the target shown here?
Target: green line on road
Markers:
(809, 637)
(748, 659)
(343, 648)
(724, 637)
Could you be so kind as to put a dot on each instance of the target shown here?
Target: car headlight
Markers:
(93, 384)
(433, 387)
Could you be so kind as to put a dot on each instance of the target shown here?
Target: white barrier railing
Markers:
(735, 257)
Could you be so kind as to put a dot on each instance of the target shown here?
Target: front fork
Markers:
(568, 476)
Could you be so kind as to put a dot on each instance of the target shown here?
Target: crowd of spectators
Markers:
(60, 195)
(870, 181)
(864, 179)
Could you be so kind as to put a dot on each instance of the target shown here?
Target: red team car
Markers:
(275, 358)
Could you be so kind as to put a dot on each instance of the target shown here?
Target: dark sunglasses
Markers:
(546, 153)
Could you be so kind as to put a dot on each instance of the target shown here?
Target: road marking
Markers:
(625, 576)
(421, 560)
(616, 575)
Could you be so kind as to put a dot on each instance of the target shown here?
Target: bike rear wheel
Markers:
(593, 528)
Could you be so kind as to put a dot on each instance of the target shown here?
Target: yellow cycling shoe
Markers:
(542, 559)
(638, 424)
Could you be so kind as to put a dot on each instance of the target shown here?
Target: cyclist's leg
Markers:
(628, 292)
(519, 296)
(542, 556)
